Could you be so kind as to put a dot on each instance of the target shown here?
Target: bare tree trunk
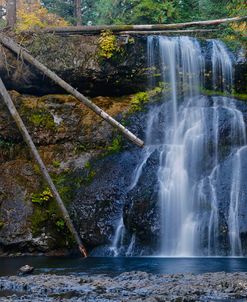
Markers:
(78, 12)
(170, 32)
(9, 43)
(9, 103)
(144, 27)
(11, 13)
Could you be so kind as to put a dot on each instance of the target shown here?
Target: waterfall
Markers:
(190, 142)
(222, 68)
(118, 238)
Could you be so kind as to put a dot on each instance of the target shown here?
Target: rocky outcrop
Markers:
(80, 61)
(93, 67)
(94, 169)
(68, 135)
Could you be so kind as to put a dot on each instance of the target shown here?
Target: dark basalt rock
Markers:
(98, 205)
(76, 59)
(141, 212)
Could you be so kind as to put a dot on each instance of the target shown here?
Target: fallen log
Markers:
(20, 51)
(14, 113)
(145, 27)
(169, 32)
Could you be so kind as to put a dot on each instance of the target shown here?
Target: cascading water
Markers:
(192, 150)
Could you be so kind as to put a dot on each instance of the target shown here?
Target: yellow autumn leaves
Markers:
(36, 17)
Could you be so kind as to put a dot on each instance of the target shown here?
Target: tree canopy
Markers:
(107, 12)
(146, 11)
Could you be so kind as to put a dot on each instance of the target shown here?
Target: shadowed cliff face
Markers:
(119, 70)
(68, 136)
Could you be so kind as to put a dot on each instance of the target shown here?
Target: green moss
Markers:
(42, 197)
(90, 173)
(45, 43)
(3, 23)
(138, 101)
(36, 169)
(41, 118)
(141, 98)
(240, 96)
(60, 223)
(81, 148)
(45, 206)
(116, 145)
(38, 220)
(56, 164)
(48, 216)
(1, 224)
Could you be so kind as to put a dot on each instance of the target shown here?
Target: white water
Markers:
(189, 151)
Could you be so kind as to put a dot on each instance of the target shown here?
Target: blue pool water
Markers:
(114, 266)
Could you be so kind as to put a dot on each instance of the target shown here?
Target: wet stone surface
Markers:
(129, 286)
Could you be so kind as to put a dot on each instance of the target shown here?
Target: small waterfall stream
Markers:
(190, 151)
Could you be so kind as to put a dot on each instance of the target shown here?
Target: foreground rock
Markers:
(26, 270)
(131, 286)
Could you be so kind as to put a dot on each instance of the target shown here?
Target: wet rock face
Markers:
(68, 135)
(15, 207)
(98, 205)
(141, 212)
(14, 213)
(77, 60)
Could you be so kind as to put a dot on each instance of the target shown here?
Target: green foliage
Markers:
(60, 223)
(42, 197)
(81, 148)
(237, 7)
(47, 214)
(1, 224)
(147, 11)
(141, 98)
(108, 45)
(3, 23)
(138, 100)
(135, 11)
(90, 173)
(116, 145)
(5, 144)
(56, 164)
(240, 96)
(62, 8)
(40, 118)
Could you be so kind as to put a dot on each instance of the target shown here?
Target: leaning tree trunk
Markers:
(13, 111)
(11, 13)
